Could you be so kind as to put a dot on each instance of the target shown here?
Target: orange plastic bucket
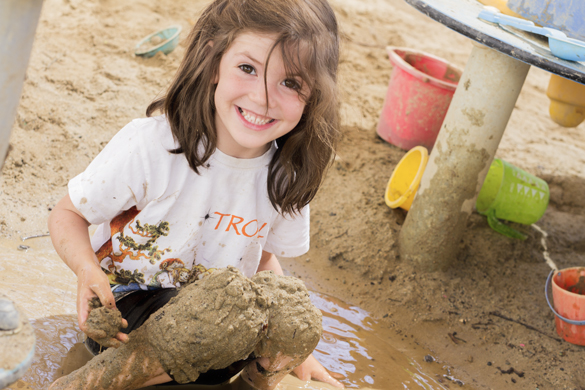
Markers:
(568, 290)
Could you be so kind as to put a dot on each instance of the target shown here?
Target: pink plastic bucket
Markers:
(419, 93)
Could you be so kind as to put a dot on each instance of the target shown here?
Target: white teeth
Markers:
(253, 118)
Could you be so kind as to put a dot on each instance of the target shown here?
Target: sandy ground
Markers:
(84, 83)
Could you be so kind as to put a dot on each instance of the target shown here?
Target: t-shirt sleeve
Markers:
(289, 236)
(115, 180)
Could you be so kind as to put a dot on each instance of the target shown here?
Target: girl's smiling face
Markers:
(246, 119)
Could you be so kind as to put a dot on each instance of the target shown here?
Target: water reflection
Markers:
(356, 345)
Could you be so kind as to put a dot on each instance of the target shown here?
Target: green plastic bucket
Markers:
(511, 194)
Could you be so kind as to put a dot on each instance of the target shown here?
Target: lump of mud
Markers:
(295, 323)
(210, 324)
(103, 323)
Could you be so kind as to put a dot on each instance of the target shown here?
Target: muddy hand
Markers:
(93, 289)
(103, 325)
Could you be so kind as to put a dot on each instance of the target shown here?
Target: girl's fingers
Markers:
(327, 378)
(111, 343)
(96, 334)
(82, 325)
(312, 369)
(123, 337)
(104, 294)
(336, 375)
(322, 376)
(82, 313)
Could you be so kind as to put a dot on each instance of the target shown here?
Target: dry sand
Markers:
(84, 83)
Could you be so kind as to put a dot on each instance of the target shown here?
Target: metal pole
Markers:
(18, 23)
(461, 157)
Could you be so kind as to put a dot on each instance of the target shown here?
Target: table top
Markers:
(461, 16)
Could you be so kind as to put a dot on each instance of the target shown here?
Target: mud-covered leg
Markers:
(293, 331)
(127, 367)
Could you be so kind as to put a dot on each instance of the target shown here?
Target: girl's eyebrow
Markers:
(250, 57)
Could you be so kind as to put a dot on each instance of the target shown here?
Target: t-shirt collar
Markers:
(247, 163)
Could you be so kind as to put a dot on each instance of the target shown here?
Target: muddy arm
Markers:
(127, 367)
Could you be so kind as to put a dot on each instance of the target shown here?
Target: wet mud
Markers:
(294, 325)
(210, 324)
(103, 323)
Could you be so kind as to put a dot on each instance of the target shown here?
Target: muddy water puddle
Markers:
(353, 343)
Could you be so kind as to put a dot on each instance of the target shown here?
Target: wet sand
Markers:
(84, 83)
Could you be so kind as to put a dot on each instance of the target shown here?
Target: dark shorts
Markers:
(137, 306)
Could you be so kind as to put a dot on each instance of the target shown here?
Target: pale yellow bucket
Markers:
(567, 101)
(405, 179)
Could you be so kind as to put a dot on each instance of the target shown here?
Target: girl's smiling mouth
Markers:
(257, 121)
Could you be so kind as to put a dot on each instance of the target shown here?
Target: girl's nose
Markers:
(259, 94)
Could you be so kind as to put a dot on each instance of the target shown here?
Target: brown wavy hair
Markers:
(307, 36)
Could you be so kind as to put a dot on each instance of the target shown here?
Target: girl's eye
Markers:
(292, 84)
(247, 69)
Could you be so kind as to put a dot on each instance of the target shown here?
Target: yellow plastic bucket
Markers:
(405, 179)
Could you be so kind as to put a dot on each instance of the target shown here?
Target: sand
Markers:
(84, 83)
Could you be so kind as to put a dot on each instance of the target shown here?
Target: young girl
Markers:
(248, 129)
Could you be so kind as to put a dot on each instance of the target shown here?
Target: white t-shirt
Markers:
(160, 223)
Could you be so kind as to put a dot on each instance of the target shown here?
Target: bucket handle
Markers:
(568, 321)
(502, 228)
